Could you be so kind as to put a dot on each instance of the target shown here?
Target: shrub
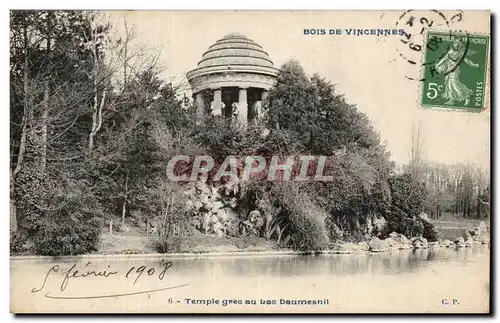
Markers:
(309, 233)
(305, 221)
(400, 222)
(33, 193)
(430, 232)
(167, 242)
(18, 243)
(72, 226)
(408, 201)
(65, 237)
(174, 230)
(407, 194)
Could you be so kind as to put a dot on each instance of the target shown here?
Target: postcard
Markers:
(250, 161)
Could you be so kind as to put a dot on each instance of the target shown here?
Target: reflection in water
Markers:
(430, 275)
(383, 263)
(390, 263)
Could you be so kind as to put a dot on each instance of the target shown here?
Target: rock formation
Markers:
(214, 210)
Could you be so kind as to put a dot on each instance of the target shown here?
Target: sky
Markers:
(371, 71)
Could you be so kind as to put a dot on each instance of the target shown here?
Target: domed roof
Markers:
(233, 60)
(235, 49)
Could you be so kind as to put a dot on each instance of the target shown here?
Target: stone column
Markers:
(218, 102)
(243, 106)
(264, 95)
(200, 106)
(251, 111)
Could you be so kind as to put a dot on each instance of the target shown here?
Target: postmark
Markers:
(414, 25)
(454, 71)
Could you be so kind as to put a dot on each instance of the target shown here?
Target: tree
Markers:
(49, 59)
(129, 143)
(408, 201)
(63, 69)
(304, 108)
(417, 161)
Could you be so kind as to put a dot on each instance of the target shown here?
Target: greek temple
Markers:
(233, 77)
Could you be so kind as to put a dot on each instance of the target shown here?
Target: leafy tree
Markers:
(321, 122)
(408, 202)
(50, 82)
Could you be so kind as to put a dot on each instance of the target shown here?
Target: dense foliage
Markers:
(88, 138)
(318, 121)
(408, 202)
(92, 130)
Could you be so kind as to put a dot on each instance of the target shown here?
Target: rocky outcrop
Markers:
(210, 210)
(398, 241)
(446, 243)
(214, 210)
(377, 245)
(481, 234)
(253, 224)
(482, 229)
(483, 239)
(419, 243)
(468, 239)
(460, 242)
(434, 244)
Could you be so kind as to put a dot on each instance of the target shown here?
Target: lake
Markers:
(437, 280)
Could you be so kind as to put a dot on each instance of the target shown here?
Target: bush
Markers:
(33, 193)
(430, 232)
(174, 230)
(304, 221)
(168, 241)
(309, 233)
(400, 222)
(408, 201)
(71, 227)
(18, 243)
(59, 238)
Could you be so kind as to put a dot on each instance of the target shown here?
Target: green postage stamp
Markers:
(455, 68)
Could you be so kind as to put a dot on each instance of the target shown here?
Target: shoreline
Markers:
(258, 247)
(183, 255)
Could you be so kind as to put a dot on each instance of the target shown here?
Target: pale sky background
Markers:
(367, 69)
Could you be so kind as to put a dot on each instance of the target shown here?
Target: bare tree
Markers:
(417, 158)
(26, 99)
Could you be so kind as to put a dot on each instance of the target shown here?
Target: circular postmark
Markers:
(444, 52)
(413, 40)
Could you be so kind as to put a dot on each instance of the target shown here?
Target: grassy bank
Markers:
(131, 240)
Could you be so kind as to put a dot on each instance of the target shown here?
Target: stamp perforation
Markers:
(487, 81)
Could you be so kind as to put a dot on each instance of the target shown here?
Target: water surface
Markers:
(400, 281)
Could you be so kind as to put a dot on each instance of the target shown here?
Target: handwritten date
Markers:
(134, 273)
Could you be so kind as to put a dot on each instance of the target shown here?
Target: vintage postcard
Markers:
(250, 161)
